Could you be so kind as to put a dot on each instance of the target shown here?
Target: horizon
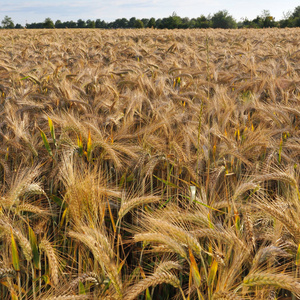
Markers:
(109, 11)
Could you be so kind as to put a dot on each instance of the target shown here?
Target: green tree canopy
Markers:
(296, 13)
(222, 19)
(59, 24)
(7, 23)
(100, 24)
(151, 23)
(131, 22)
(48, 23)
(203, 22)
(173, 21)
(90, 24)
(138, 24)
(81, 23)
(267, 19)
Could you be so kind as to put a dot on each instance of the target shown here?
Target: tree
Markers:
(203, 22)
(296, 22)
(222, 19)
(90, 24)
(296, 13)
(18, 26)
(34, 25)
(7, 23)
(158, 23)
(145, 22)
(131, 22)
(257, 22)
(100, 24)
(81, 23)
(151, 23)
(173, 21)
(185, 23)
(193, 23)
(48, 23)
(70, 24)
(138, 24)
(59, 24)
(122, 23)
(245, 23)
(267, 19)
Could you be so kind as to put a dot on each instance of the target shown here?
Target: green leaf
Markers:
(15, 254)
(14, 296)
(6, 154)
(81, 288)
(45, 278)
(122, 180)
(148, 296)
(166, 182)
(80, 145)
(46, 143)
(34, 247)
(89, 147)
(33, 79)
(165, 203)
(208, 206)
(64, 217)
(61, 203)
(237, 221)
(212, 273)
(24, 78)
(298, 256)
(52, 130)
(194, 269)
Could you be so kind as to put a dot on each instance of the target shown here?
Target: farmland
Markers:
(149, 164)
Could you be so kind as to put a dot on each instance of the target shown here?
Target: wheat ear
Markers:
(90, 276)
(283, 218)
(101, 255)
(249, 230)
(158, 277)
(5, 272)
(46, 246)
(280, 280)
(161, 239)
(179, 234)
(127, 206)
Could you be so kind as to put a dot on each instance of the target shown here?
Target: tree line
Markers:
(221, 19)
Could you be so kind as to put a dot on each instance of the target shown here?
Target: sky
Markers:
(110, 10)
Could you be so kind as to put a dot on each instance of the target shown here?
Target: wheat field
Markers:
(149, 164)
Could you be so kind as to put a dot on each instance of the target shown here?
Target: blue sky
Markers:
(66, 10)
